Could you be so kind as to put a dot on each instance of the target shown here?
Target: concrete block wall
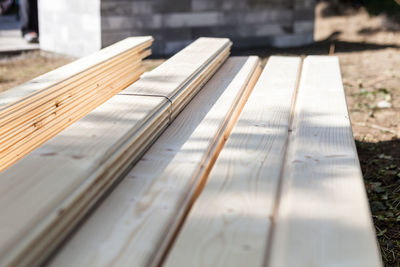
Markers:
(175, 23)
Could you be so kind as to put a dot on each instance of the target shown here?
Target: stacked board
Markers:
(136, 223)
(40, 206)
(34, 112)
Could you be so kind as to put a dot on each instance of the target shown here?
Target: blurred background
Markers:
(364, 34)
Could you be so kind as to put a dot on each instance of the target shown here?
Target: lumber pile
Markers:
(40, 206)
(136, 223)
(34, 112)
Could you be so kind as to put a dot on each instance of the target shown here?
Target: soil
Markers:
(369, 52)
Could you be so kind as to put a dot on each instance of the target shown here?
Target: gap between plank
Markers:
(280, 180)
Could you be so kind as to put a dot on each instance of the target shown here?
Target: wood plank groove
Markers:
(323, 217)
(231, 218)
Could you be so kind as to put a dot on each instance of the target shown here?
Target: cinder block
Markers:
(70, 27)
(304, 4)
(304, 26)
(205, 5)
(142, 7)
(131, 22)
(254, 16)
(172, 47)
(168, 6)
(122, 8)
(304, 14)
(292, 40)
(176, 20)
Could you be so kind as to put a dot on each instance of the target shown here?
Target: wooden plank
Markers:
(229, 223)
(136, 222)
(51, 97)
(36, 117)
(73, 69)
(323, 217)
(179, 68)
(77, 167)
(42, 130)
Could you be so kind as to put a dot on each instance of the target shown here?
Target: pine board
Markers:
(180, 68)
(131, 226)
(229, 223)
(323, 217)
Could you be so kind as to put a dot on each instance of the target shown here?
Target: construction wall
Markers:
(175, 23)
(70, 27)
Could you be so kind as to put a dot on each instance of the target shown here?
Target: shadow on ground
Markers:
(318, 48)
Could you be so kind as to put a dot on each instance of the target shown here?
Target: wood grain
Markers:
(323, 215)
(35, 112)
(42, 205)
(229, 223)
(134, 224)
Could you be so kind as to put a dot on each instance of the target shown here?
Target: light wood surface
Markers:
(323, 216)
(41, 205)
(229, 223)
(180, 68)
(134, 225)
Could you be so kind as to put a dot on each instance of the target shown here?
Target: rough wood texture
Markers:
(230, 221)
(323, 216)
(136, 222)
(44, 196)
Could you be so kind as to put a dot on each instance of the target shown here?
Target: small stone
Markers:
(384, 104)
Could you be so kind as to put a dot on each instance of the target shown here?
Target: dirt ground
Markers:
(369, 53)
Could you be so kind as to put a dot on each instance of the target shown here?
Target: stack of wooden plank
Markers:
(33, 113)
(136, 223)
(45, 194)
(284, 190)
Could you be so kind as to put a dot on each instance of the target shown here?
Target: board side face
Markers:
(65, 72)
(231, 218)
(323, 217)
(130, 224)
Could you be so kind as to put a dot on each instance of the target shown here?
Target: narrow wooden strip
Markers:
(129, 228)
(323, 217)
(20, 93)
(228, 224)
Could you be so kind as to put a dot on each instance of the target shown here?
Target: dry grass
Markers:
(15, 70)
